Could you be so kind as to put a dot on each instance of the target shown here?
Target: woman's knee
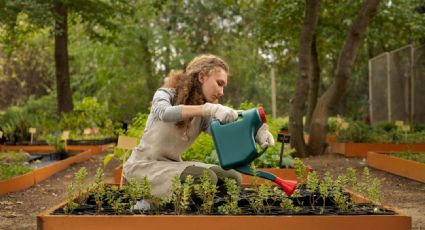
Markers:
(197, 172)
(232, 174)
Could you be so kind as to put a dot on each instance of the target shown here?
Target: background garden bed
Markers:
(39, 174)
(402, 167)
(361, 149)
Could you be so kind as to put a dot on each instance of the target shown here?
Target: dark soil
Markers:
(19, 210)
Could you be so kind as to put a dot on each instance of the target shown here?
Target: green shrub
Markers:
(13, 164)
(36, 113)
(200, 149)
(137, 125)
(419, 157)
(88, 113)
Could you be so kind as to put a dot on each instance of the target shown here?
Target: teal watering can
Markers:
(236, 147)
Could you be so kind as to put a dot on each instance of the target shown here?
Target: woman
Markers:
(180, 111)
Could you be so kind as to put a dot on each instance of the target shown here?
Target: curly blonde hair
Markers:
(188, 88)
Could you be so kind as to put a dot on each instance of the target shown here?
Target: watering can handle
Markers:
(262, 151)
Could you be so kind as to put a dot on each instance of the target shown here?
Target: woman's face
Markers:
(213, 84)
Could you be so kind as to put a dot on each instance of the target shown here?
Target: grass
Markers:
(13, 164)
(419, 157)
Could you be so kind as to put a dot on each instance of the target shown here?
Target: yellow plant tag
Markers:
(87, 131)
(125, 142)
(95, 130)
(65, 135)
(345, 125)
(338, 119)
(399, 123)
(405, 128)
(1, 134)
(32, 130)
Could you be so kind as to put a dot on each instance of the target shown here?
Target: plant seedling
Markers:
(232, 198)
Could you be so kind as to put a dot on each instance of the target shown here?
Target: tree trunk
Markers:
(63, 87)
(314, 84)
(301, 91)
(343, 71)
(152, 82)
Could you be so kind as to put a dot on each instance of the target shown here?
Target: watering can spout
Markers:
(288, 186)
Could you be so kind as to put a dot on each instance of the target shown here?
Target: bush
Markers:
(88, 113)
(13, 164)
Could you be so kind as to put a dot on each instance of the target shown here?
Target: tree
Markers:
(54, 14)
(333, 94)
(305, 60)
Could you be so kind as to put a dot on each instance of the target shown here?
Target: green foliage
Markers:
(115, 200)
(340, 198)
(324, 188)
(408, 155)
(88, 113)
(288, 205)
(13, 164)
(384, 132)
(80, 187)
(71, 205)
(56, 141)
(10, 171)
(312, 186)
(119, 154)
(368, 187)
(207, 191)
(260, 202)
(232, 198)
(200, 149)
(300, 169)
(138, 125)
(98, 189)
(15, 123)
(181, 194)
(76, 191)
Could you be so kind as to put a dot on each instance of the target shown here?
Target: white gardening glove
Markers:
(264, 138)
(223, 113)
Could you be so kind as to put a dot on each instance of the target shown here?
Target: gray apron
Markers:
(158, 156)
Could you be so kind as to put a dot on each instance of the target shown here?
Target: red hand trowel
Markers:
(236, 147)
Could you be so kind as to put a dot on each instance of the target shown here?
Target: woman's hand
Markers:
(223, 113)
(264, 138)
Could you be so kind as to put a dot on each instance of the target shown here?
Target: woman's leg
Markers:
(222, 174)
(197, 172)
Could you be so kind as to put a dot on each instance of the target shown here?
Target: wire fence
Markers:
(396, 85)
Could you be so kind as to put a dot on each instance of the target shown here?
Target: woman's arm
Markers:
(189, 111)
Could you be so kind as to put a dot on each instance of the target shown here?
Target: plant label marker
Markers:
(399, 123)
(125, 142)
(95, 130)
(32, 132)
(65, 135)
(1, 134)
(87, 131)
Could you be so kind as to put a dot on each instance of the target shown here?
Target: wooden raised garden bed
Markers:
(361, 149)
(402, 167)
(51, 219)
(96, 149)
(36, 176)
